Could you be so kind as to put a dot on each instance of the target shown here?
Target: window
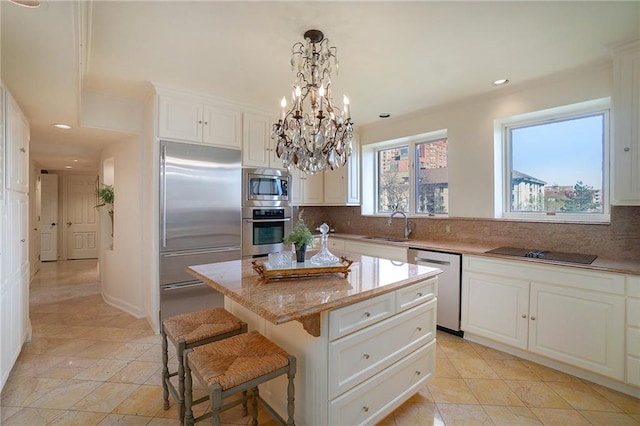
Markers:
(556, 166)
(412, 175)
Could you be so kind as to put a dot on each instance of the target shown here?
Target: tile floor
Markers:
(90, 364)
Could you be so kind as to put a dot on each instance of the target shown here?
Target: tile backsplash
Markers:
(619, 239)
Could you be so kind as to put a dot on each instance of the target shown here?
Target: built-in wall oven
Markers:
(263, 229)
(266, 211)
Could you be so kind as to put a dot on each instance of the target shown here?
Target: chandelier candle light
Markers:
(314, 134)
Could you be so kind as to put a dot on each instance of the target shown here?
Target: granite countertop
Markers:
(303, 299)
(600, 264)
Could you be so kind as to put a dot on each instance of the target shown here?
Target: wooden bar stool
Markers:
(238, 364)
(188, 331)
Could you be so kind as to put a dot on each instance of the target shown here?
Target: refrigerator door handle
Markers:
(285, 219)
(163, 195)
(181, 286)
(192, 252)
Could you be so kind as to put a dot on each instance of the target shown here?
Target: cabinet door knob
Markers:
(366, 356)
(69, 223)
(53, 224)
(533, 318)
(419, 294)
(524, 316)
(23, 150)
(367, 314)
(206, 122)
(627, 149)
(22, 240)
(199, 121)
(419, 328)
(418, 372)
(365, 409)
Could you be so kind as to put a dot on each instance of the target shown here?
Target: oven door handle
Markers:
(286, 219)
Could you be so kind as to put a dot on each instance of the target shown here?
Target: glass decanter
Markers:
(324, 256)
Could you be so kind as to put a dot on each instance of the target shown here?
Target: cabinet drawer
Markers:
(633, 286)
(351, 318)
(633, 371)
(372, 400)
(334, 244)
(633, 312)
(411, 296)
(356, 357)
(633, 342)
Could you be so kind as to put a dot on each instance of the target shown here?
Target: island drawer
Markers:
(372, 400)
(348, 319)
(356, 357)
(411, 296)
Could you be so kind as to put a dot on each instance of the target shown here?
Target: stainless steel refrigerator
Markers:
(200, 221)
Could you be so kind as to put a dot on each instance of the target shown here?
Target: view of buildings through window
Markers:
(558, 166)
(431, 177)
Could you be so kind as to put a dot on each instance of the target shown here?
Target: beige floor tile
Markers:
(423, 396)
(106, 397)
(33, 416)
(627, 403)
(113, 334)
(68, 367)
(582, 397)
(72, 347)
(135, 372)
(142, 402)
(537, 394)
(102, 370)
(511, 416)
(493, 392)
(6, 412)
(417, 414)
(459, 350)
(489, 353)
(560, 417)
(156, 378)
(604, 418)
(78, 418)
(132, 350)
(452, 391)
(473, 368)
(159, 421)
(547, 374)
(511, 369)
(445, 369)
(66, 394)
(463, 414)
(123, 419)
(99, 349)
(35, 365)
(23, 391)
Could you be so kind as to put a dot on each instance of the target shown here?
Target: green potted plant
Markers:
(105, 198)
(300, 237)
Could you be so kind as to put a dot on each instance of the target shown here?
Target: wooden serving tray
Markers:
(267, 273)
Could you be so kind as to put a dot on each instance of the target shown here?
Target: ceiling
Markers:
(395, 57)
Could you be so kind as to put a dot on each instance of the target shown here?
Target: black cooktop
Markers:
(555, 256)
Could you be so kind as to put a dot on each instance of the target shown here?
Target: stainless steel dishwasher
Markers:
(448, 285)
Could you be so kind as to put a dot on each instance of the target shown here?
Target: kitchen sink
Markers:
(395, 240)
(556, 256)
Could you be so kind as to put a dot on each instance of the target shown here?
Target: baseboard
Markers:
(123, 306)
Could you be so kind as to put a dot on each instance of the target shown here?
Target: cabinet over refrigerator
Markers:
(200, 220)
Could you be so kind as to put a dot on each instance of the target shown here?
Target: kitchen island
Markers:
(364, 344)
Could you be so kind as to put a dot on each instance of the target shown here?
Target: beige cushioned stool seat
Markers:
(238, 359)
(200, 325)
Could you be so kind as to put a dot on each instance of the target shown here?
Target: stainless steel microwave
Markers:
(266, 187)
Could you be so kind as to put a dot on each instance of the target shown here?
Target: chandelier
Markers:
(313, 134)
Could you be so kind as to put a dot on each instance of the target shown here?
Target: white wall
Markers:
(470, 128)
(121, 268)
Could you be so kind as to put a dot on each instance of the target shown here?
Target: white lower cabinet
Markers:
(567, 314)
(384, 251)
(633, 331)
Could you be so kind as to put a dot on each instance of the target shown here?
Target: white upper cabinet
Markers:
(342, 186)
(626, 119)
(306, 189)
(17, 147)
(195, 120)
(258, 149)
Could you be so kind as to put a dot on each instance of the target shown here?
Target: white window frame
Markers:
(370, 172)
(503, 161)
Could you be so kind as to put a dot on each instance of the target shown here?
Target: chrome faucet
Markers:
(407, 228)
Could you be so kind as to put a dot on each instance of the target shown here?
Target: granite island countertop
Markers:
(620, 266)
(305, 298)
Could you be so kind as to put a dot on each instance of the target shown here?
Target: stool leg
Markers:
(254, 406)
(165, 371)
(215, 395)
(244, 403)
(181, 349)
(291, 390)
(188, 395)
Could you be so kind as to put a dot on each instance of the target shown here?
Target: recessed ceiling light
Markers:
(75, 161)
(61, 126)
(68, 167)
(500, 82)
(385, 115)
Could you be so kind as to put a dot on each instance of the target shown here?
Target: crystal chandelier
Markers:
(314, 134)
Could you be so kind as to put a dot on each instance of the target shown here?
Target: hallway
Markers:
(91, 364)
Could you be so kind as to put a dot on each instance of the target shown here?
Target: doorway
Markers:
(49, 217)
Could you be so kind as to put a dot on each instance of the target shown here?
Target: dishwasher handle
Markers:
(437, 262)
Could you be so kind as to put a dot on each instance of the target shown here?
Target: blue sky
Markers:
(562, 152)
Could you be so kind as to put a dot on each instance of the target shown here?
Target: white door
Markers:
(49, 217)
(81, 227)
